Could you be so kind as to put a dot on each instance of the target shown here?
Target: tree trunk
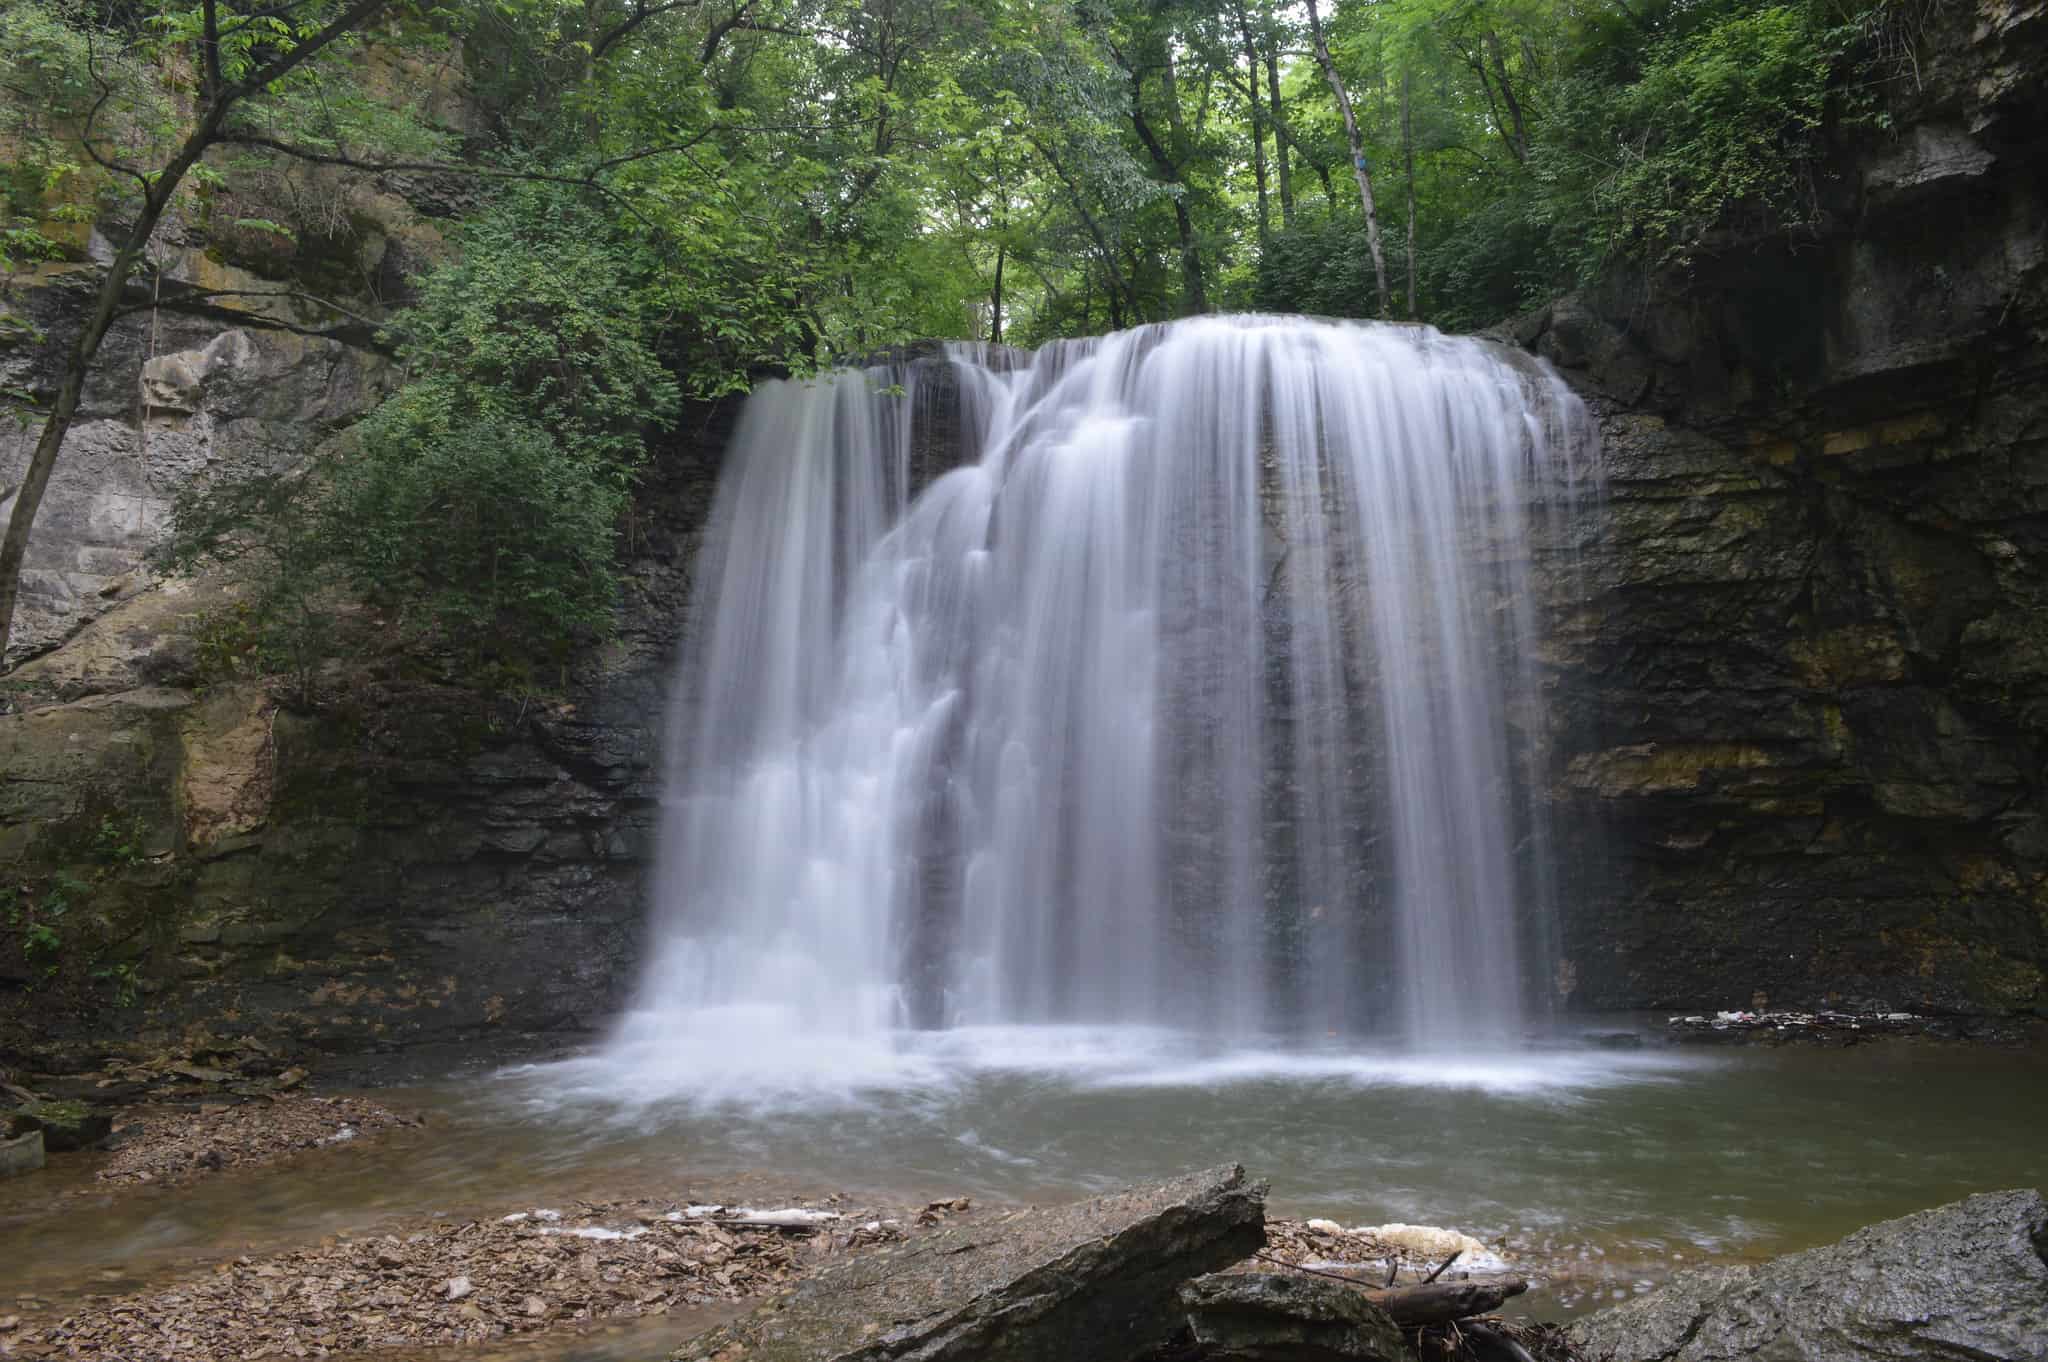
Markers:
(1441, 1302)
(1195, 290)
(1251, 88)
(1118, 290)
(1280, 147)
(995, 299)
(1358, 166)
(1476, 59)
(1195, 296)
(1408, 164)
(77, 366)
(1507, 94)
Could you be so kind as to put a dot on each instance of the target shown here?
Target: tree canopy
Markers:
(661, 198)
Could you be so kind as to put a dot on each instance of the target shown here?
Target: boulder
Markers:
(1090, 1282)
(1288, 1317)
(22, 1154)
(1964, 1281)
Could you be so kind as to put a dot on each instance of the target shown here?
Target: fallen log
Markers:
(1442, 1302)
(1425, 1302)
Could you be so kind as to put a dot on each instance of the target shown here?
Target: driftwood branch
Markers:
(1442, 1302)
(1430, 1302)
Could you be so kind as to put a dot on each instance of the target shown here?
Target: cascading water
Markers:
(1200, 693)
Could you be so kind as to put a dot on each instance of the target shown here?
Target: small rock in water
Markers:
(932, 1213)
(535, 1307)
(456, 1288)
(22, 1154)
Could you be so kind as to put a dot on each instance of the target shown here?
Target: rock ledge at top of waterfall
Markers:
(1967, 1281)
(1090, 1282)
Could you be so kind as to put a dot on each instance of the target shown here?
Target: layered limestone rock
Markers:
(1801, 672)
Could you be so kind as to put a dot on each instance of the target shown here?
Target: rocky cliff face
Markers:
(1799, 672)
(227, 366)
(404, 864)
(1802, 675)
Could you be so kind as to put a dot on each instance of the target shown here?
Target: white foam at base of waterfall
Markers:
(783, 1069)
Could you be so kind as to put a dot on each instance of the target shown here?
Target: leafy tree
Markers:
(479, 506)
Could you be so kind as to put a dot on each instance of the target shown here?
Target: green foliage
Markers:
(69, 916)
(665, 200)
(1642, 134)
(546, 319)
(480, 527)
(1716, 133)
(118, 842)
(483, 501)
(478, 508)
(38, 920)
(123, 980)
(275, 533)
(44, 63)
(1321, 268)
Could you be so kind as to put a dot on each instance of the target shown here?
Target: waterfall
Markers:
(1200, 690)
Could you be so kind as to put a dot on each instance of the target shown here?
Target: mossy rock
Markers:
(65, 1126)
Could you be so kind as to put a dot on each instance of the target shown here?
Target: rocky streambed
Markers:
(232, 1212)
(1116, 1277)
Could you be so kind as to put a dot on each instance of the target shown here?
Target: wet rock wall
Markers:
(1801, 670)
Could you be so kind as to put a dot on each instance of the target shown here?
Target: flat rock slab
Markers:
(1091, 1282)
(1965, 1282)
(22, 1154)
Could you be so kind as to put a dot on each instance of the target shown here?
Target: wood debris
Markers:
(451, 1281)
(165, 1145)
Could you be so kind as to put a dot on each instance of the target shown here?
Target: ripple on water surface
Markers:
(1666, 1150)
